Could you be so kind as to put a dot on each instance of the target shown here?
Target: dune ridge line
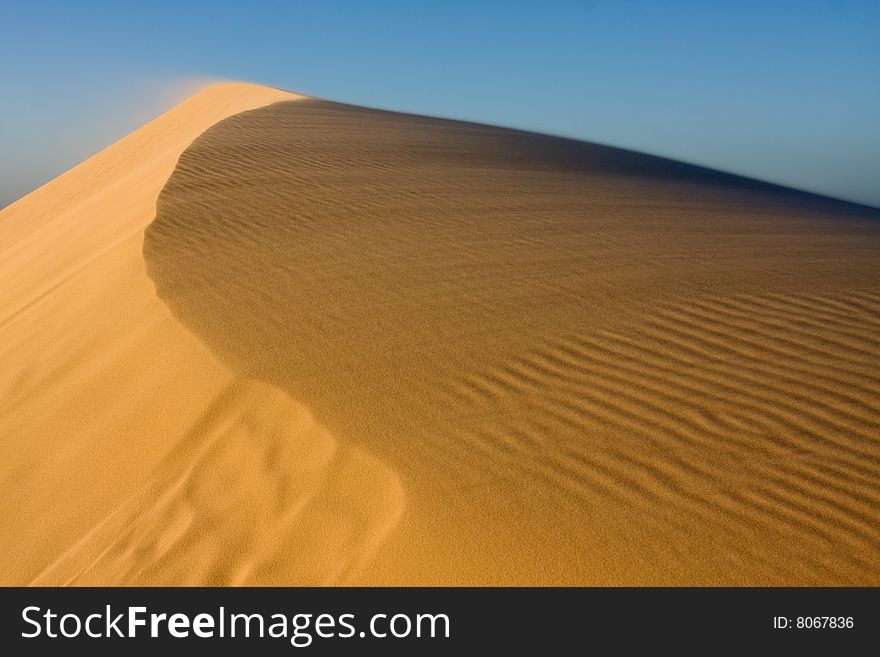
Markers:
(130, 455)
(586, 365)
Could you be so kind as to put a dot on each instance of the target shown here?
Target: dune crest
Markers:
(275, 340)
(121, 436)
(587, 365)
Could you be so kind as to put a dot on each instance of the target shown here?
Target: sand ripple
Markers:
(587, 365)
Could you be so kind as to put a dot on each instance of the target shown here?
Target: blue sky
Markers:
(787, 91)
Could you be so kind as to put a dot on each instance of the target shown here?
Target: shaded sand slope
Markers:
(129, 454)
(587, 365)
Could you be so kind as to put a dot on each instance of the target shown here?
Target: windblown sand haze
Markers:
(274, 339)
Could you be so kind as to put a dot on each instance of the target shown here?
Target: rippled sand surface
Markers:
(585, 365)
(268, 339)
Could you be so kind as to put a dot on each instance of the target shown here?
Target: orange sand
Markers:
(416, 351)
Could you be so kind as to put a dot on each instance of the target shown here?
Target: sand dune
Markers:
(418, 351)
(118, 428)
(586, 365)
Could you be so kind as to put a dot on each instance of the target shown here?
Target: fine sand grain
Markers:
(418, 351)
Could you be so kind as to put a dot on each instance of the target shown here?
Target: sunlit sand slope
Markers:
(255, 493)
(128, 453)
(586, 365)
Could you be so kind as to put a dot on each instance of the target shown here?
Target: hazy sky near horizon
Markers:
(786, 91)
